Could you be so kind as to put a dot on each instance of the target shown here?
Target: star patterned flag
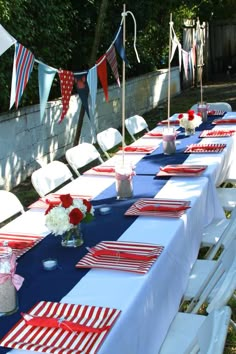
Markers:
(22, 68)
(83, 90)
(119, 45)
(46, 75)
(6, 40)
(66, 83)
(102, 74)
(111, 58)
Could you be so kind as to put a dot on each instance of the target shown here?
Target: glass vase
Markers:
(169, 138)
(124, 186)
(73, 237)
(189, 131)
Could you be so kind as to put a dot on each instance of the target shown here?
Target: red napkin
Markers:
(121, 254)
(172, 122)
(182, 169)
(104, 169)
(216, 133)
(215, 113)
(157, 134)
(225, 121)
(163, 208)
(16, 244)
(51, 322)
(138, 148)
(207, 148)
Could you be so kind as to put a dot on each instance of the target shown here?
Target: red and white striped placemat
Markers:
(18, 236)
(181, 170)
(205, 148)
(101, 170)
(118, 263)
(216, 133)
(134, 210)
(215, 113)
(57, 340)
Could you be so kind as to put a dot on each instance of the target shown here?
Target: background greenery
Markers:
(60, 33)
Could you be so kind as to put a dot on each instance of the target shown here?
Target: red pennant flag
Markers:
(102, 74)
(66, 82)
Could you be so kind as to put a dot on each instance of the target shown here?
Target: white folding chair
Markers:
(81, 155)
(212, 281)
(135, 125)
(109, 138)
(10, 205)
(218, 235)
(191, 333)
(216, 106)
(50, 177)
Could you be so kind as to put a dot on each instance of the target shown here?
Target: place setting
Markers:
(172, 208)
(103, 170)
(55, 327)
(137, 149)
(54, 199)
(205, 148)
(181, 170)
(127, 256)
(221, 133)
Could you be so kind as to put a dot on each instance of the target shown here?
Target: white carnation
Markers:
(57, 220)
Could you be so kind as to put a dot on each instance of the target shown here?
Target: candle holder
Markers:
(124, 184)
(169, 138)
(202, 108)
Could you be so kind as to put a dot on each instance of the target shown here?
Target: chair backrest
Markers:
(227, 236)
(81, 155)
(135, 125)
(9, 206)
(109, 138)
(49, 177)
(222, 284)
(216, 106)
(211, 335)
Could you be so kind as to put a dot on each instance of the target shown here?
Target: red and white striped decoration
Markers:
(203, 148)
(58, 340)
(123, 264)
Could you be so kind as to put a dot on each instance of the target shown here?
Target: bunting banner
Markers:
(180, 56)
(6, 40)
(175, 44)
(185, 62)
(66, 84)
(102, 74)
(92, 79)
(22, 68)
(46, 76)
(111, 58)
(82, 89)
(119, 45)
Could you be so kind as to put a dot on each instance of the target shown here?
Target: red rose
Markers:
(191, 112)
(180, 115)
(75, 216)
(191, 117)
(66, 200)
(199, 114)
(87, 204)
(50, 207)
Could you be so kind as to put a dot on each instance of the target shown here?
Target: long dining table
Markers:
(148, 302)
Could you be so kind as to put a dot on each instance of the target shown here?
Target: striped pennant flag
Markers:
(111, 58)
(22, 68)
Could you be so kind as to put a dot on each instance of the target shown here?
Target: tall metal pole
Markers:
(123, 86)
(168, 107)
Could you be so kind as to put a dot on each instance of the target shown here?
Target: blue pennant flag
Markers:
(45, 77)
(82, 89)
(119, 45)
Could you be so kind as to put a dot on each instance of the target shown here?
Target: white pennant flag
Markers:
(185, 62)
(6, 40)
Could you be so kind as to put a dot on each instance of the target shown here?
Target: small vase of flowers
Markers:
(65, 219)
(189, 121)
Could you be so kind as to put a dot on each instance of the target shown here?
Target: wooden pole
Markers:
(168, 107)
(123, 88)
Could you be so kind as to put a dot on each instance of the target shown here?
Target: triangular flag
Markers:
(66, 83)
(92, 79)
(6, 40)
(102, 74)
(180, 56)
(174, 43)
(22, 67)
(119, 45)
(45, 77)
(185, 62)
(83, 90)
(111, 58)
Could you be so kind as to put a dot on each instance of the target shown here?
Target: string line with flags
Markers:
(85, 82)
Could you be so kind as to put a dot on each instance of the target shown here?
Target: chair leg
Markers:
(233, 325)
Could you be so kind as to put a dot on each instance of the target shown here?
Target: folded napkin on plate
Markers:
(16, 244)
(104, 169)
(212, 147)
(171, 122)
(225, 121)
(121, 254)
(51, 322)
(138, 148)
(157, 134)
(163, 208)
(216, 133)
(215, 113)
(183, 169)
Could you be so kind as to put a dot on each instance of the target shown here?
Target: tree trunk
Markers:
(92, 60)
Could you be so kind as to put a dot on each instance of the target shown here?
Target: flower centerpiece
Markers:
(65, 219)
(189, 121)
